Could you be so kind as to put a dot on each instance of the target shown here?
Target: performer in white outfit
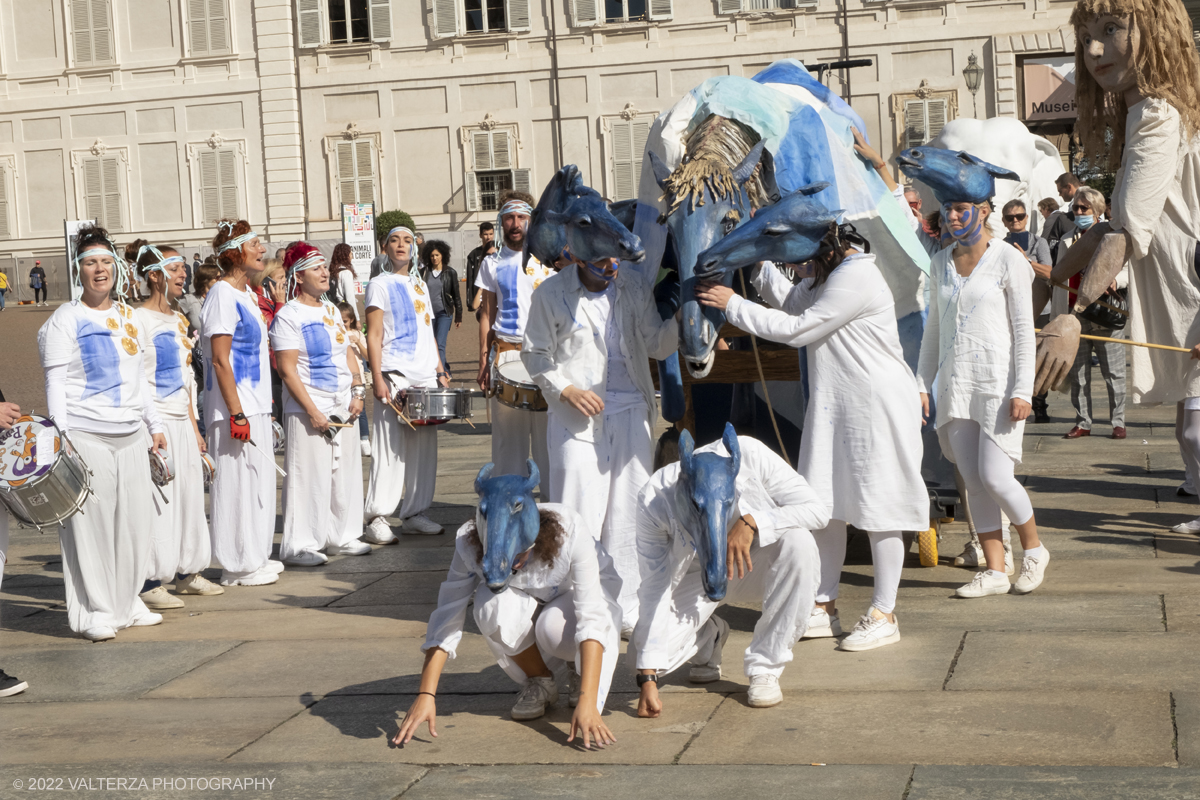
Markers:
(402, 352)
(507, 287)
(588, 343)
(861, 449)
(552, 604)
(9, 414)
(180, 546)
(237, 406)
(323, 490)
(769, 522)
(96, 392)
(979, 347)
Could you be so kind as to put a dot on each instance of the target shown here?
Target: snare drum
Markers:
(277, 438)
(515, 389)
(43, 480)
(434, 406)
(162, 467)
(209, 467)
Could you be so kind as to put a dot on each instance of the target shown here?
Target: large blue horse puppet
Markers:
(571, 218)
(704, 501)
(507, 521)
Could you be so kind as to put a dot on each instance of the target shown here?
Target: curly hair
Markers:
(93, 236)
(545, 548)
(513, 194)
(230, 259)
(1167, 69)
(148, 258)
(441, 247)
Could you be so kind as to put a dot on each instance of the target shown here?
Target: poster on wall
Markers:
(71, 229)
(358, 231)
(1050, 89)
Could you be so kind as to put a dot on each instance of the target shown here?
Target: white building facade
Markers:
(158, 117)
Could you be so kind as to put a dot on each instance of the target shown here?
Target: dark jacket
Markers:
(474, 259)
(450, 297)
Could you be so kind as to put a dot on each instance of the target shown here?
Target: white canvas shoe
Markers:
(307, 558)
(983, 585)
(871, 632)
(99, 634)
(275, 566)
(197, 584)
(1192, 526)
(821, 625)
(365, 445)
(258, 577)
(379, 532)
(421, 524)
(1033, 572)
(711, 671)
(535, 696)
(764, 691)
(355, 548)
(971, 556)
(159, 598)
(146, 620)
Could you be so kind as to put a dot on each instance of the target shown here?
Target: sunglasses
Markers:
(1081, 209)
(1014, 217)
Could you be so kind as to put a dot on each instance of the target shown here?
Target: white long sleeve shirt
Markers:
(779, 500)
(565, 343)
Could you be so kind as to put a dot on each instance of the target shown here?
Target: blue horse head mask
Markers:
(574, 217)
(507, 521)
(704, 505)
(954, 177)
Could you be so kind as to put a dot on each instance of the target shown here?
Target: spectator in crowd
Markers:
(341, 275)
(487, 234)
(1037, 251)
(196, 262)
(37, 282)
(442, 281)
(191, 304)
(1048, 207)
(270, 290)
(3, 288)
(913, 199)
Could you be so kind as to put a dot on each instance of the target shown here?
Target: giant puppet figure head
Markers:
(507, 521)
(704, 502)
(573, 218)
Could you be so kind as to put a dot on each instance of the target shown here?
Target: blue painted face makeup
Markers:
(971, 223)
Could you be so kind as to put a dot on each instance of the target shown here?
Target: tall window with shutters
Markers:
(586, 13)
(738, 6)
(627, 144)
(6, 226)
(326, 22)
(470, 17)
(102, 191)
(218, 184)
(493, 168)
(356, 171)
(208, 27)
(92, 32)
(923, 120)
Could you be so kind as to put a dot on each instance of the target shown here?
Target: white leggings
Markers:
(988, 472)
(887, 554)
(1187, 433)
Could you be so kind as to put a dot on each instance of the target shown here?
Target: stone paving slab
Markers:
(403, 588)
(1053, 783)
(394, 559)
(1077, 661)
(170, 731)
(303, 587)
(1183, 613)
(1034, 612)
(1021, 728)
(478, 730)
(1187, 723)
(662, 783)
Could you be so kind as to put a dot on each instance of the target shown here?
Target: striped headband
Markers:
(412, 256)
(511, 207)
(235, 242)
(314, 259)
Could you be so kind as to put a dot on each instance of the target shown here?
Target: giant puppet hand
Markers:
(1079, 255)
(1106, 264)
(1057, 345)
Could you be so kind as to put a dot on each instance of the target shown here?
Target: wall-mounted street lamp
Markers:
(973, 74)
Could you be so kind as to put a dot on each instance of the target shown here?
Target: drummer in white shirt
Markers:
(507, 288)
(402, 352)
(96, 391)
(591, 333)
(322, 493)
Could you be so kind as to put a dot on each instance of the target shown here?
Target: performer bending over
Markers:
(545, 596)
(729, 522)
(507, 288)
(403, 353)
(96, 392)
(591, 334)
(323, 490)
(861, 450)
(237, 404)
(180, 547)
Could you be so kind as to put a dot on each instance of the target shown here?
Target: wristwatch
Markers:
(641, 679)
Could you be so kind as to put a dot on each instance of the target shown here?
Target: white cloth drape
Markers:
(323, 490)
(403, 466)
(180, 542)
(242, 495)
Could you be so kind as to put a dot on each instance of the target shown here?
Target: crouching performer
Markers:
(545, 596)
(730, 522)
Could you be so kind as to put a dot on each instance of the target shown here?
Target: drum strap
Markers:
(505, 347)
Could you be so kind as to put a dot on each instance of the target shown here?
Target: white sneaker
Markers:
(1192, 526)
(421, 524)
(984, 584)
(365, 444)
(1009, 569)
(765, 691)
(355, 548)
(146, 620)
(1033, 572)
(821, 625)
(537, 694)
(379, 532)
(275, 566)
(1186, 489)
(307, 558)
(707, 673)
(971, 556)
(160, 598)
(871, 632)
(257, 577)
(197, 584)
(100, 634)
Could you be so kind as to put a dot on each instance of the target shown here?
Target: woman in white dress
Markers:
(861, 450)
(237, 402)
(979, 347)
(180, 546)
(96, 392)
(323, 490)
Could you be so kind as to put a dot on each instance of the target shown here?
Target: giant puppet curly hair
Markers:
(1167, 69)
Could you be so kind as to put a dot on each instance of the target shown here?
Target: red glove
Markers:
(239, 427)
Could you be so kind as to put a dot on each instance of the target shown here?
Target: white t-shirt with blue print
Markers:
(167, 350)
(227, 311)
(409, 346)
(502, 274)
(320, 337)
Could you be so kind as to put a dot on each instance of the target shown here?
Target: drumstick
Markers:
(341, 424)
(1109, 306)
(270, 458)
(401, 414)
(1129, 343)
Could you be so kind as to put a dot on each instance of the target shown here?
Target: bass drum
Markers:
(43, 480)
(515, 389)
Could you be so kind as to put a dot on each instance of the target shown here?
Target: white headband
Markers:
(235, 242)
(120, 268)
(412, 256)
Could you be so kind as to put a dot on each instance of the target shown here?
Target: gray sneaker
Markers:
(535, 696)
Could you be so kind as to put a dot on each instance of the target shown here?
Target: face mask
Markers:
(1085, 222)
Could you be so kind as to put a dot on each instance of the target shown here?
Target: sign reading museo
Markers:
(358, 231)
(1050, 89)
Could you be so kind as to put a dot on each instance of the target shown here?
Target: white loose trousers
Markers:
(403, 465)
(180, 541)
(106, 546)
(784, 580)
(601, 481)
(517, 435)
(323, 490)
(242, 495)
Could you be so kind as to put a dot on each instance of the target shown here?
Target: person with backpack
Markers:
(37, 282)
